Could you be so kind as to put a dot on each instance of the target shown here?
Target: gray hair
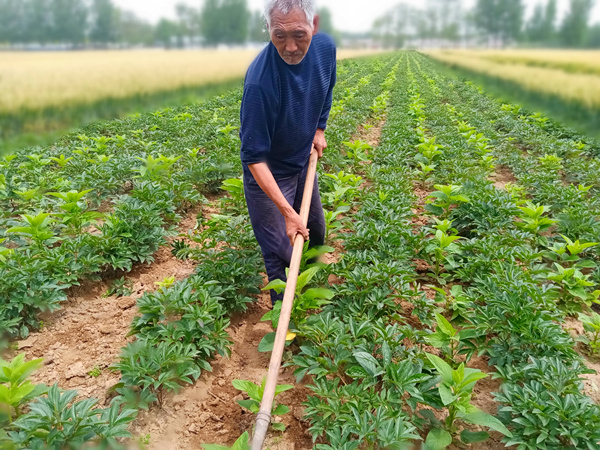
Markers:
(285, 6)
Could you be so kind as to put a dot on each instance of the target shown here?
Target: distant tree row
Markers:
(492, 22)
(99, 22)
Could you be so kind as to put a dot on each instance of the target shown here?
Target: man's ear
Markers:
(315, 24)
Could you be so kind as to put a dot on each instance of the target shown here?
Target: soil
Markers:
(88, 332)
(207, 412)
(591, 381)
(502, 176)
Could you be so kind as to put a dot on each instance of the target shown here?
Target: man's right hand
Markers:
(294, 226)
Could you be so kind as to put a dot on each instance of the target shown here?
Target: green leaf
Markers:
(470, 437)
(441, 366)
(369, 363)
(438, 439)
(277, 285)
(446, 394)
(434, 209)
(444, 325)
(278, 426)
(485, 420)
(267, 343)
(314, 293)
(251, 405)
(280, 410)
(282, 388)
(243, 442)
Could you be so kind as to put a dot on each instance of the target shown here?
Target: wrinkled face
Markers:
(292, 34)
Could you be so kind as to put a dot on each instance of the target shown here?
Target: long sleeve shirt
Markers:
(283, 105)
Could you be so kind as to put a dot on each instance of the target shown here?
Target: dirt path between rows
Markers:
(88, 332)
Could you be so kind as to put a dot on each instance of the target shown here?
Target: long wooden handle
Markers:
(263, 418)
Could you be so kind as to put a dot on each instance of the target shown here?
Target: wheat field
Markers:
(582, 87)
(38, 80)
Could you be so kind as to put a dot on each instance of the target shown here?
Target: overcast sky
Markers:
(348, 15)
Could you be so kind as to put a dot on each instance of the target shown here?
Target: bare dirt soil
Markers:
(87, 333)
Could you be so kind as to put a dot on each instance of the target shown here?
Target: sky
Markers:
(348, 15)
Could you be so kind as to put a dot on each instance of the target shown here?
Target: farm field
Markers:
(46, 92)
(573, 61)
(564, 84)
(454, 303)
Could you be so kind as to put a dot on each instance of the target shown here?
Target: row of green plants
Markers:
(529, 277)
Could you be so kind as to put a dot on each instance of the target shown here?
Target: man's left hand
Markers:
(319, 142)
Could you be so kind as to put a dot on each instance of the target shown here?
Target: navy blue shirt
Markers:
(283, 106)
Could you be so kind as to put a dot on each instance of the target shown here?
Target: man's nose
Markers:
(290, 46)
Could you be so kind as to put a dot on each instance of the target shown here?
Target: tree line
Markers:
(489, 22)
(80, 23)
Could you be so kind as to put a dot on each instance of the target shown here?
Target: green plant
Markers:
(155, 169)
(532, 220)
(448, 339)
(243, 443)
(236, 199)
(551, 162)
(428, 150)
(304, 301)
(166, 283)
(121, 287)
(255, 392)
(424, 173)
(57, 421)
(567, 254)
(75, 216)
(455, 301)
(95, 372)
(591, 325)
(357, 150)
(444, 198)
(570, 289)
(441, 250)
(333, 222)
(37, 228)
(15, 389)
(456, 389)
(180, 249)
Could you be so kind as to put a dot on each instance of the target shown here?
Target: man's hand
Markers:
(294, 226)
(319, 142)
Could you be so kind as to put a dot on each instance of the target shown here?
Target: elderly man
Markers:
(285, 107)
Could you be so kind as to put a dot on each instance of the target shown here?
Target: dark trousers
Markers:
(269, 225)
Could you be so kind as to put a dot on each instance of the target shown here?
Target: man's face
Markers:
(292, 34)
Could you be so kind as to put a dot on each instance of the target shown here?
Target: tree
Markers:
(594, 36)
(326, 24)
(166, 32)
(258, 28)
(574, 29)
(189, 21)
(103, 29)
(501, 20)
(12, 21)
(541, 27)
(225, 21)
(69, 21)
(38, 21)
(133, 31)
